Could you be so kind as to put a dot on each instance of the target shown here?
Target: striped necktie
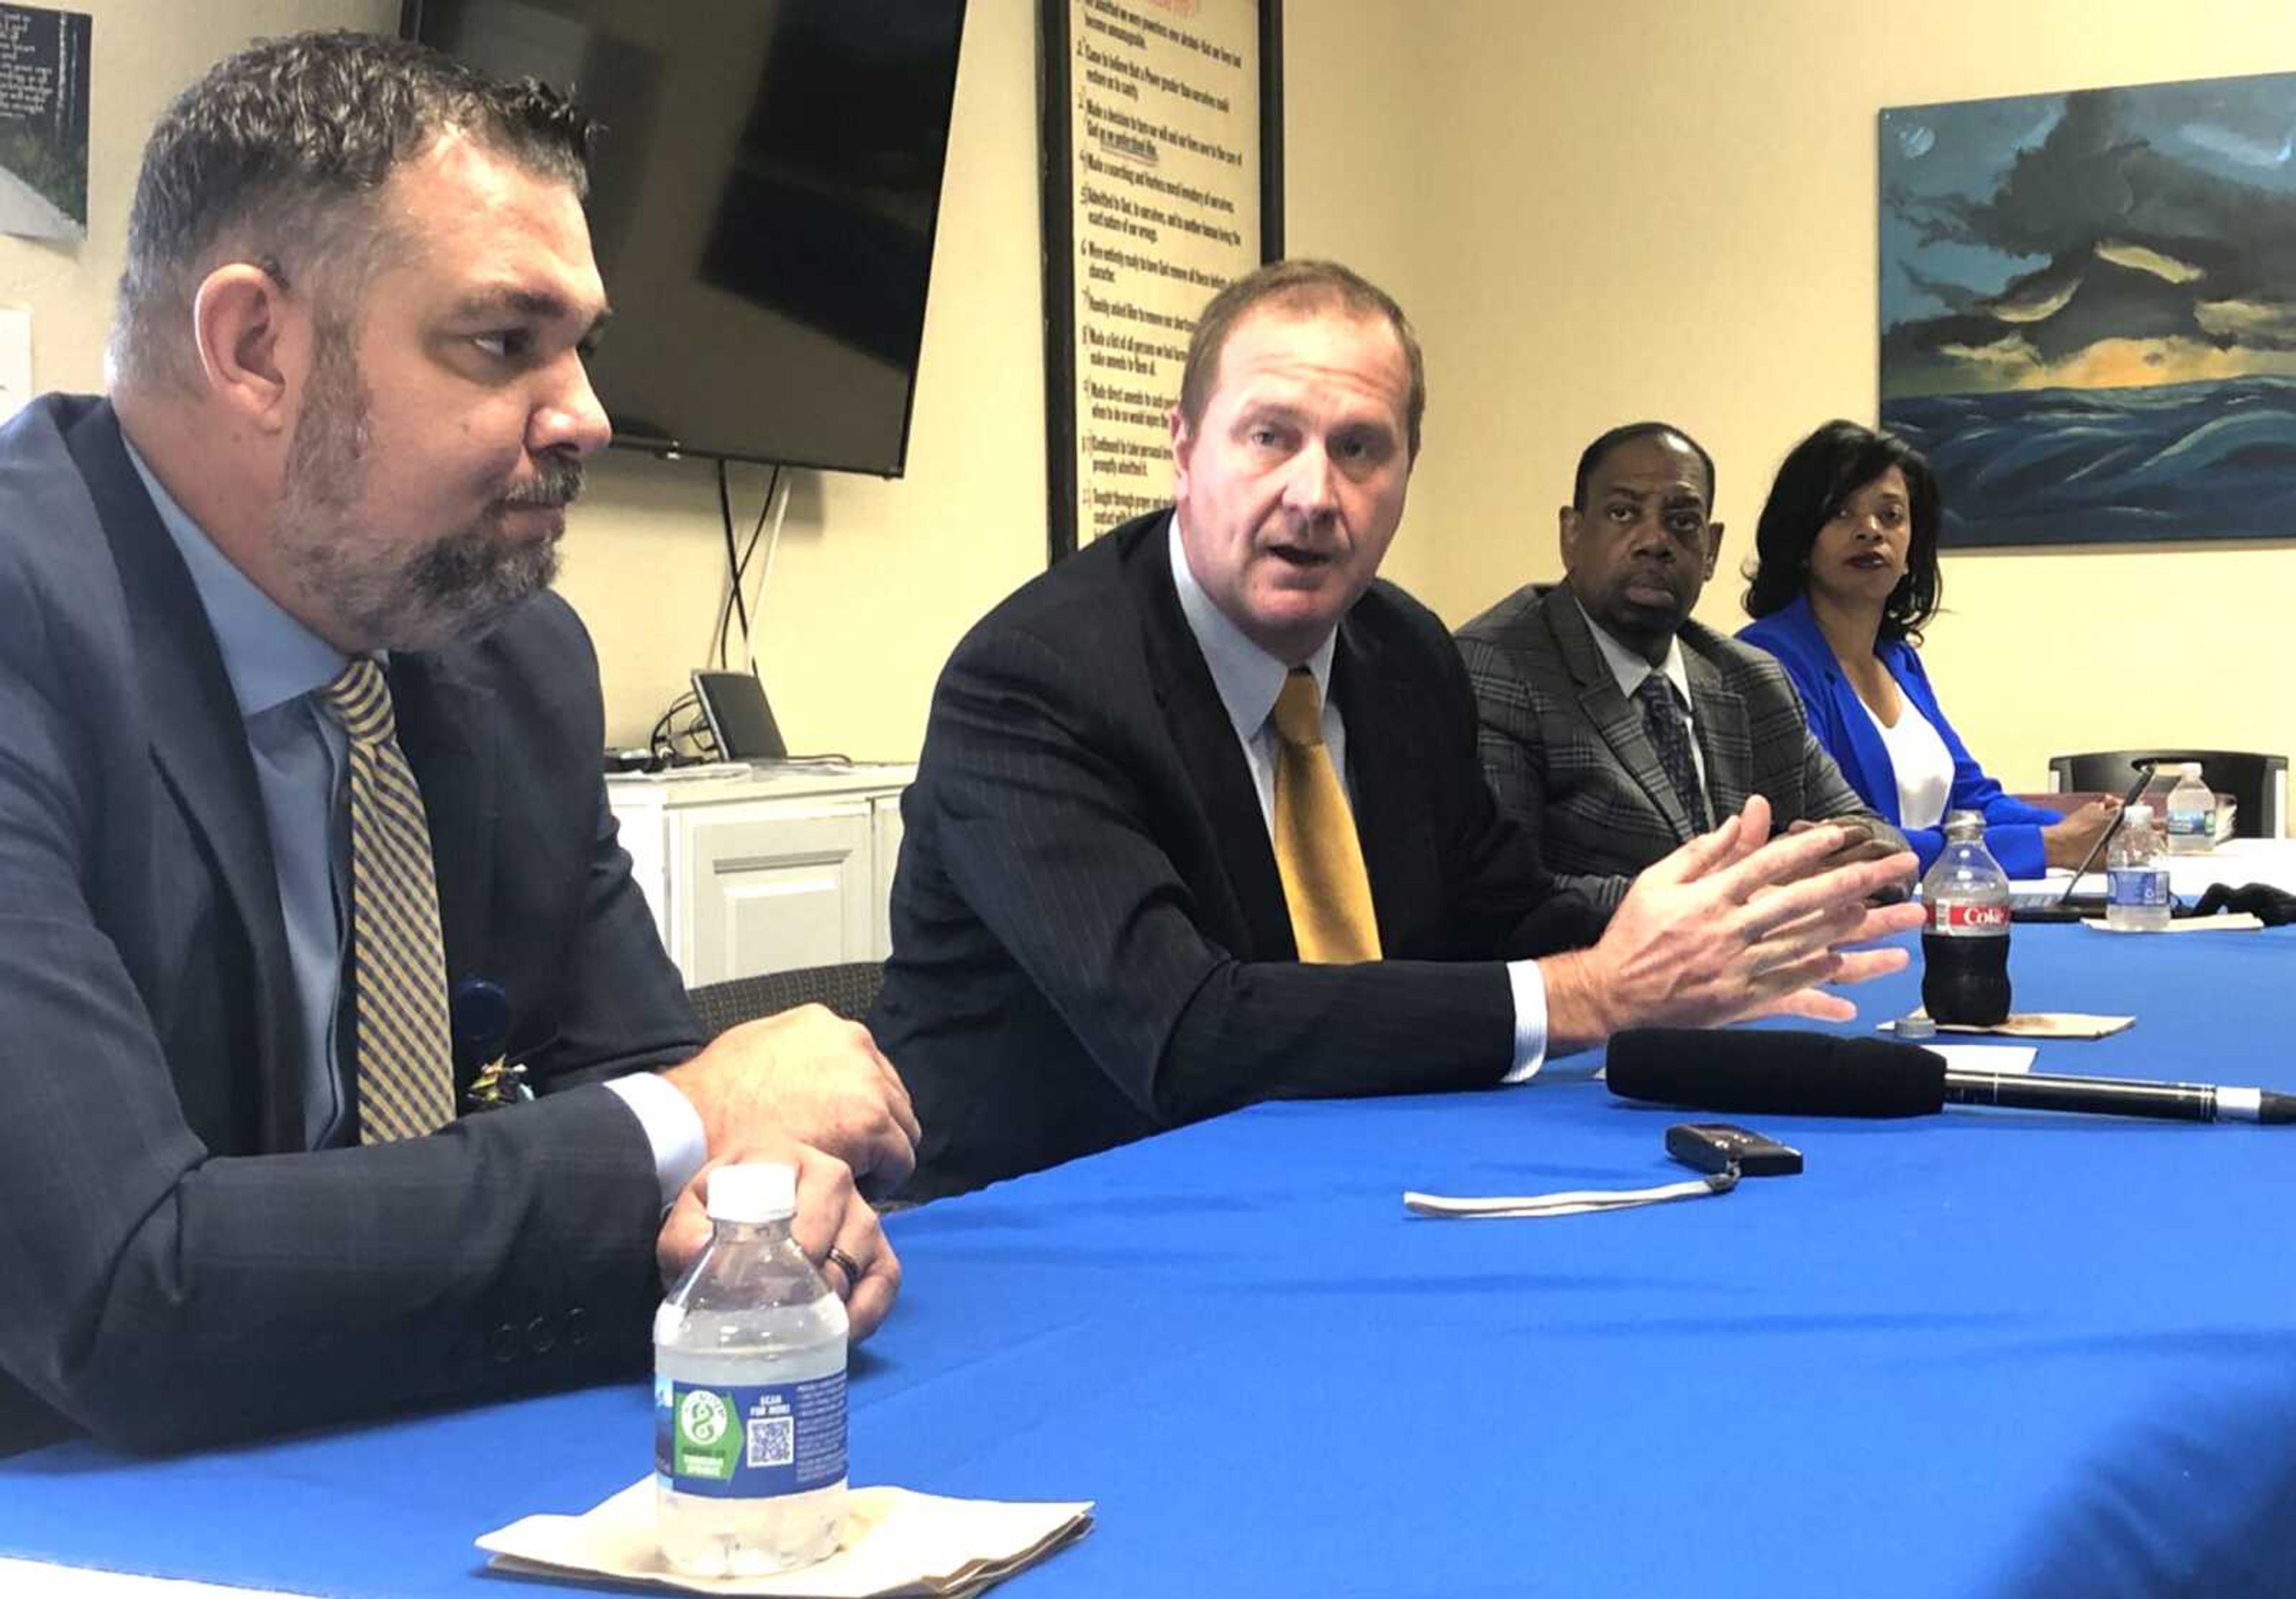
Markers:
(1317, 851)
(398, 967)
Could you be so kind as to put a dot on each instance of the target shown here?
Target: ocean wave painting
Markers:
(2088, 310)
(2093, 465)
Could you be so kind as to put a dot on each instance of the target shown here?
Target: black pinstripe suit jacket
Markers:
(1090, 941)
(1567, 755)
(172, 1268)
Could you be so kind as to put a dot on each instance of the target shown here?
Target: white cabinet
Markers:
(768, 870)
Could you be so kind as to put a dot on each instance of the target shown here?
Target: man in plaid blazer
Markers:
(1613, 724)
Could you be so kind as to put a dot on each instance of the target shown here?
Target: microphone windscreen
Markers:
(1762, 1073)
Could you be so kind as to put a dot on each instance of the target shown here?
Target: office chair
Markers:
(849, 989)
(2258, 784)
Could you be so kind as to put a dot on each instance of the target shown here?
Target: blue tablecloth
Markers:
(1982, 1352)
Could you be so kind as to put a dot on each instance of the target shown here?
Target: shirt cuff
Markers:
(673, 1127)
(1529, 986)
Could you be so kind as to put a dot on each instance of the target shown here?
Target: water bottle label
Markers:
(2138, 887)
(1969, 921)
(732, 1441)
(2188, 824)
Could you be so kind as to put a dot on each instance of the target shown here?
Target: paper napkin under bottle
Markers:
(896, 1543)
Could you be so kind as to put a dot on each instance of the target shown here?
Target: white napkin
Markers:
(896, 1543)
(2037, 1024)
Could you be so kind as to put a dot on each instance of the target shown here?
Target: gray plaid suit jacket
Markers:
(1566, 753)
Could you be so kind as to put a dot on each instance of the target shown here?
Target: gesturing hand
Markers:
(1728, 927)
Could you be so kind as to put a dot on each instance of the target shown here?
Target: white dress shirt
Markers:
(1630, 669)
(1248, 679)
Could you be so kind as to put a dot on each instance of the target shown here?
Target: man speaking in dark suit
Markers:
(1612, 725)
(1199, 820)
(299, 766)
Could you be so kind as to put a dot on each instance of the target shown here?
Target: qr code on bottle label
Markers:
(773, 1441)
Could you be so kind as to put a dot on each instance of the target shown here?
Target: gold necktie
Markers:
(1317, 851)
(399, 966)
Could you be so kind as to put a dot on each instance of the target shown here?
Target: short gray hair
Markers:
(276, 157)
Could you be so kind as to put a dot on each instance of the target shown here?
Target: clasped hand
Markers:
(814, 1077)
(833, 1226)
(807, 1089)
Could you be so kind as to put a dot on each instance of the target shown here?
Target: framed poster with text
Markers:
(1163, 182)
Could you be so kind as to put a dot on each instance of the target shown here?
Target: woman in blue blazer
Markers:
(1846, 576)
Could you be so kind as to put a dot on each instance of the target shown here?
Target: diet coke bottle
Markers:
(1965, 941)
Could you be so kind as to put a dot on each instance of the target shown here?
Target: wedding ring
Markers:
(846, 1263)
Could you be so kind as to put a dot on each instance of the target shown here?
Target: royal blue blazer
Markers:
(2013, 829)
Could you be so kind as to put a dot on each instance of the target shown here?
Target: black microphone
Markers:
(478, 1015)
(1826, 1074)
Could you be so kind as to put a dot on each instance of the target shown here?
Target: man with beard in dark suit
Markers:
(294, 747)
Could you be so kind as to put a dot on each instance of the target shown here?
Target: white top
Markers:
(1923, 765)
(1248, 679)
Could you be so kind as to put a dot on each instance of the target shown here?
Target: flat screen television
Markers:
(762, 203)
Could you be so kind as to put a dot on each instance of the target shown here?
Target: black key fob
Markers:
(1719, 1146)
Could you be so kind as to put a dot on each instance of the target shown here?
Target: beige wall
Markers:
(142, 54)
(1594, 212)
(1650, 208)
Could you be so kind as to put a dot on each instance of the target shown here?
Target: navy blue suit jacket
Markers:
(173, 1267)
(2012, 828)
(1090, 938)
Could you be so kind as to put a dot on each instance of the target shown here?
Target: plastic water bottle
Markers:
(2137, 894)
(1966, 940)
(2192, 814)
(748, 1392)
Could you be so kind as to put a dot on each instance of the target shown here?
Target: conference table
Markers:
(1981, 1352)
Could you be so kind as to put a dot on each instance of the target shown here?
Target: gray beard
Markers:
(449, 591)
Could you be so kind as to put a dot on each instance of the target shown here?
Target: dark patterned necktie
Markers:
(1662, 720)
(398, 967)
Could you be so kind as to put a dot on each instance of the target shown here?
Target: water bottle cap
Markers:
(753, 1193)
(2138, 816)
(2191, 768)
(1965, 824)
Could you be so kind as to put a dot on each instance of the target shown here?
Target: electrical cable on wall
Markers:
(740, 602)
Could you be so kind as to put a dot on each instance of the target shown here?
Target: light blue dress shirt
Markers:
(1248, 679)
(1628, 670)
(277, 668)
(276, 665)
